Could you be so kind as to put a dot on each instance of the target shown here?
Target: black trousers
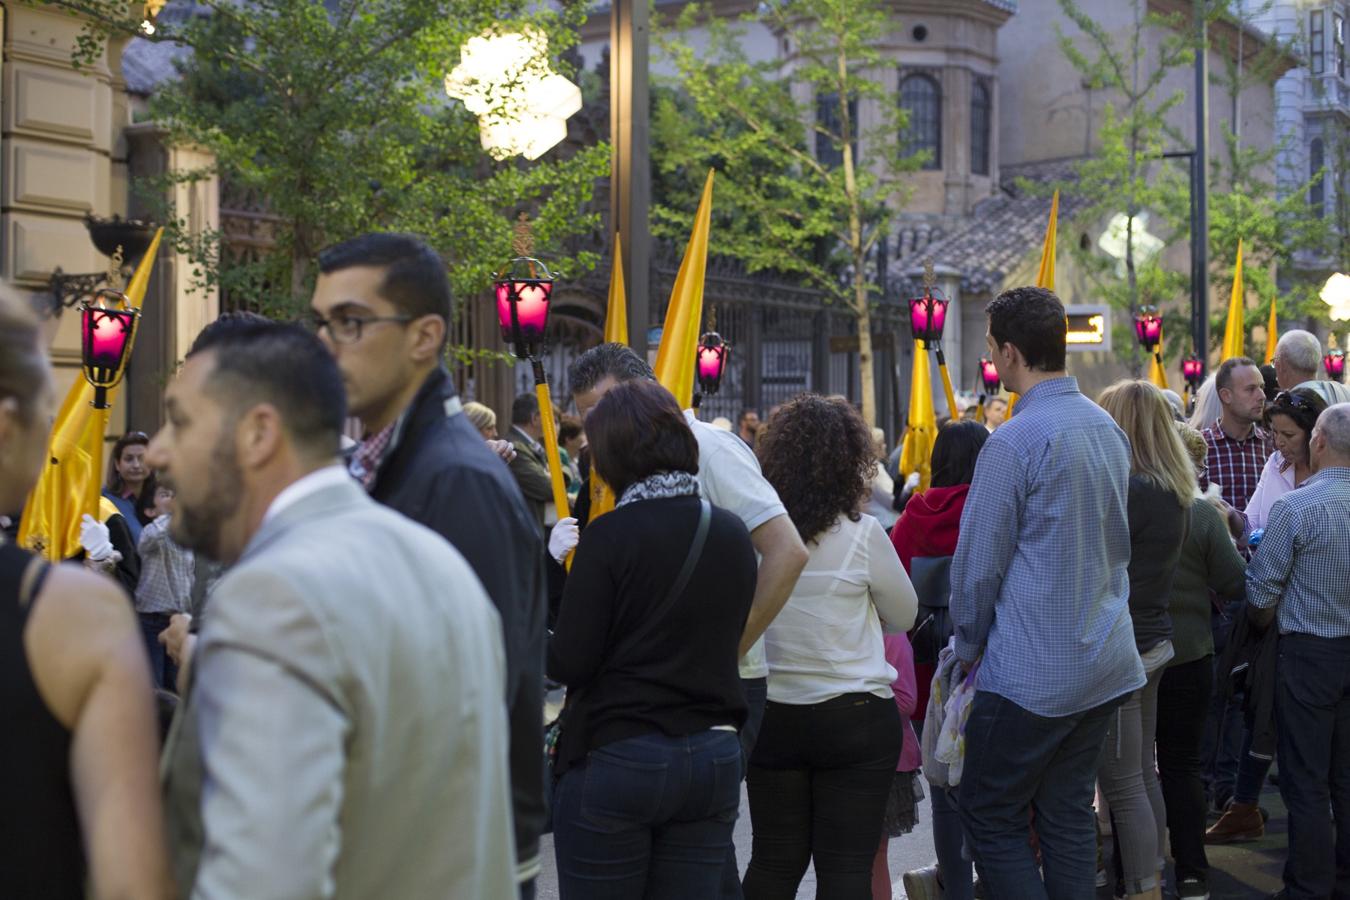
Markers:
(1183, 699)
(818, 783)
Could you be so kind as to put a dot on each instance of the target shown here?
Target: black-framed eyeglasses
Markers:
(344, 329)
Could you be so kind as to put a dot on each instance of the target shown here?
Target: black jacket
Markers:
(441, 473)
(1249, 663)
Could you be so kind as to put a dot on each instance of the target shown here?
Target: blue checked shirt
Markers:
(1303, 561)
(1039, 580)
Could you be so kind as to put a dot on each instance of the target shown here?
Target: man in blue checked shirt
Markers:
(1300, 576)
(1040, 590)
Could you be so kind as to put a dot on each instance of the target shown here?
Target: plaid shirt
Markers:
(1303, 562)
(166, 571)
(1039, 580)
(1235, 465)
(368, 455)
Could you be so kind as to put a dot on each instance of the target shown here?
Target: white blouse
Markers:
(827, 640)
(1273, 485)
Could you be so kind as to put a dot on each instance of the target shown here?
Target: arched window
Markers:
(921, 97)
(981, 114)
(828, 150)
(1318, 192)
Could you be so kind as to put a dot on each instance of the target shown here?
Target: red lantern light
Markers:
(1334, 363)
(1193, 370)
(107, 335)
(711, 362)
(1148, 328)
(989, 376)
(927, 318)
(523, 291)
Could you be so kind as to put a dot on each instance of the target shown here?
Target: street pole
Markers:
(630, 174)
(1200, 196)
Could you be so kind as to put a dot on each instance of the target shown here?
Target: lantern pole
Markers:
(929, 279)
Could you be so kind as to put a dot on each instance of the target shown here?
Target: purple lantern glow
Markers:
(107, 334)
(1334, 362)
(1193, 370)
(927, 317)
(1148, 328)
(711, 362)
(989, 376)
(523, 292)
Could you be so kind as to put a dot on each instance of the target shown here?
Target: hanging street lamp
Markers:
(523, 289)
(107, 332)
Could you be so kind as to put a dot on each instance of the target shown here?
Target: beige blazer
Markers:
(344, 734)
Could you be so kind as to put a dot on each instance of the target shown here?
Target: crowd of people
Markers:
(1096, 626)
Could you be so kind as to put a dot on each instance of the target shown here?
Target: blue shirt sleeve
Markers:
(990, 524)
(1268, 573)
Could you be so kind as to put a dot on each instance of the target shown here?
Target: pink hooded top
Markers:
(901, 657)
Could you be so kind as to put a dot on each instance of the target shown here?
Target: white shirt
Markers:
(827, 640)
(729, 476)
(1273, 485)
(312, 483)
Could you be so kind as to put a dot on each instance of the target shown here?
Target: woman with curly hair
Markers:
(822, 769)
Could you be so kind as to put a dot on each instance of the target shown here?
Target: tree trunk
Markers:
(862, 313)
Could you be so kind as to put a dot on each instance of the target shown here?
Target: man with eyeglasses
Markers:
(382, 306)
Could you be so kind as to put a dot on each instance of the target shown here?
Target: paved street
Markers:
(1237, 872)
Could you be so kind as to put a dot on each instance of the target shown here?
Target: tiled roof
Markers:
(999, 233)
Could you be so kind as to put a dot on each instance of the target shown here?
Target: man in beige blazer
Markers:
(342, 732)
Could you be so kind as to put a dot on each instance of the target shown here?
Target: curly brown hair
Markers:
(819, 455)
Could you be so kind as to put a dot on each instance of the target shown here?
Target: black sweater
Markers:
(1158, 526)
(681, 677)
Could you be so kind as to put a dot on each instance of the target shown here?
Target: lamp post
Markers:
(107, 333)
(710, 364)
(523, 290)
(1334, 361)
(927, 318)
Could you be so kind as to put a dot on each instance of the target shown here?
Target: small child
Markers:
(164, 588)
(902, 806)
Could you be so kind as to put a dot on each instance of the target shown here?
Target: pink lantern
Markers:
(712, 362)
(1334, 362)
(1193, 370)
(989, 376)
(523, 290)
(1148, 328)
(107, 335)
(927, 317)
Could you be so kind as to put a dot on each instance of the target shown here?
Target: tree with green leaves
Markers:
(806, 191)
(1127, 181)
(336, 115)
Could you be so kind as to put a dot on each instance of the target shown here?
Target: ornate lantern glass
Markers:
(711, 362)
(1193, 370)
(107, 331)
(1334, 362)
(927, 317)
(523, 291)
(989, 376)
(1148, 328)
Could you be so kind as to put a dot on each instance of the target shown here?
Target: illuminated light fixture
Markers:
(1118, 236)
(107, 334)
(927, 318)
(1148, 328)
(1334, 361)
(1336, 294)
(1193, 370)
(523, 290)
(522, 105)
(711, 362)
(989, 376)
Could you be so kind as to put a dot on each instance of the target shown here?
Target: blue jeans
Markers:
(756, 696)
(648, 817)
(163, 670)
(958, 881)
(1016, 759)
(1312, 712)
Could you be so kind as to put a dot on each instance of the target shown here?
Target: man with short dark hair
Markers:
(382, 305)
(530, 466)
(318, 750)
(1300, 576)
(729, 476)
(995, 412)
(1238, 446)
(748, 427)
(1040, 599)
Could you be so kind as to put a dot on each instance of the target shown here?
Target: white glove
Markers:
(94, 539)
(912, 481)
(563, 538)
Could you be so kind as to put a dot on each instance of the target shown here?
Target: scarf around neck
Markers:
(660, 486)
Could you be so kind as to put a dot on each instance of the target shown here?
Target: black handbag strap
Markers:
(681, 581)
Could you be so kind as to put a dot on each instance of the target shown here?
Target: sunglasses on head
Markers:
(1288, 398)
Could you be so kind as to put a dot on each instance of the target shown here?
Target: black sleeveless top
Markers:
(41, 850)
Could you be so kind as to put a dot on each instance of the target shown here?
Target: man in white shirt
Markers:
(729, 477)
(317, 751)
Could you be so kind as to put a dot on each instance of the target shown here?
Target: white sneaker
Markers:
(922, 884)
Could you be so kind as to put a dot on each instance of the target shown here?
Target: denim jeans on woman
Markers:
(648, 817)
(1129, 781)
(1015, 760)
(818, 783)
